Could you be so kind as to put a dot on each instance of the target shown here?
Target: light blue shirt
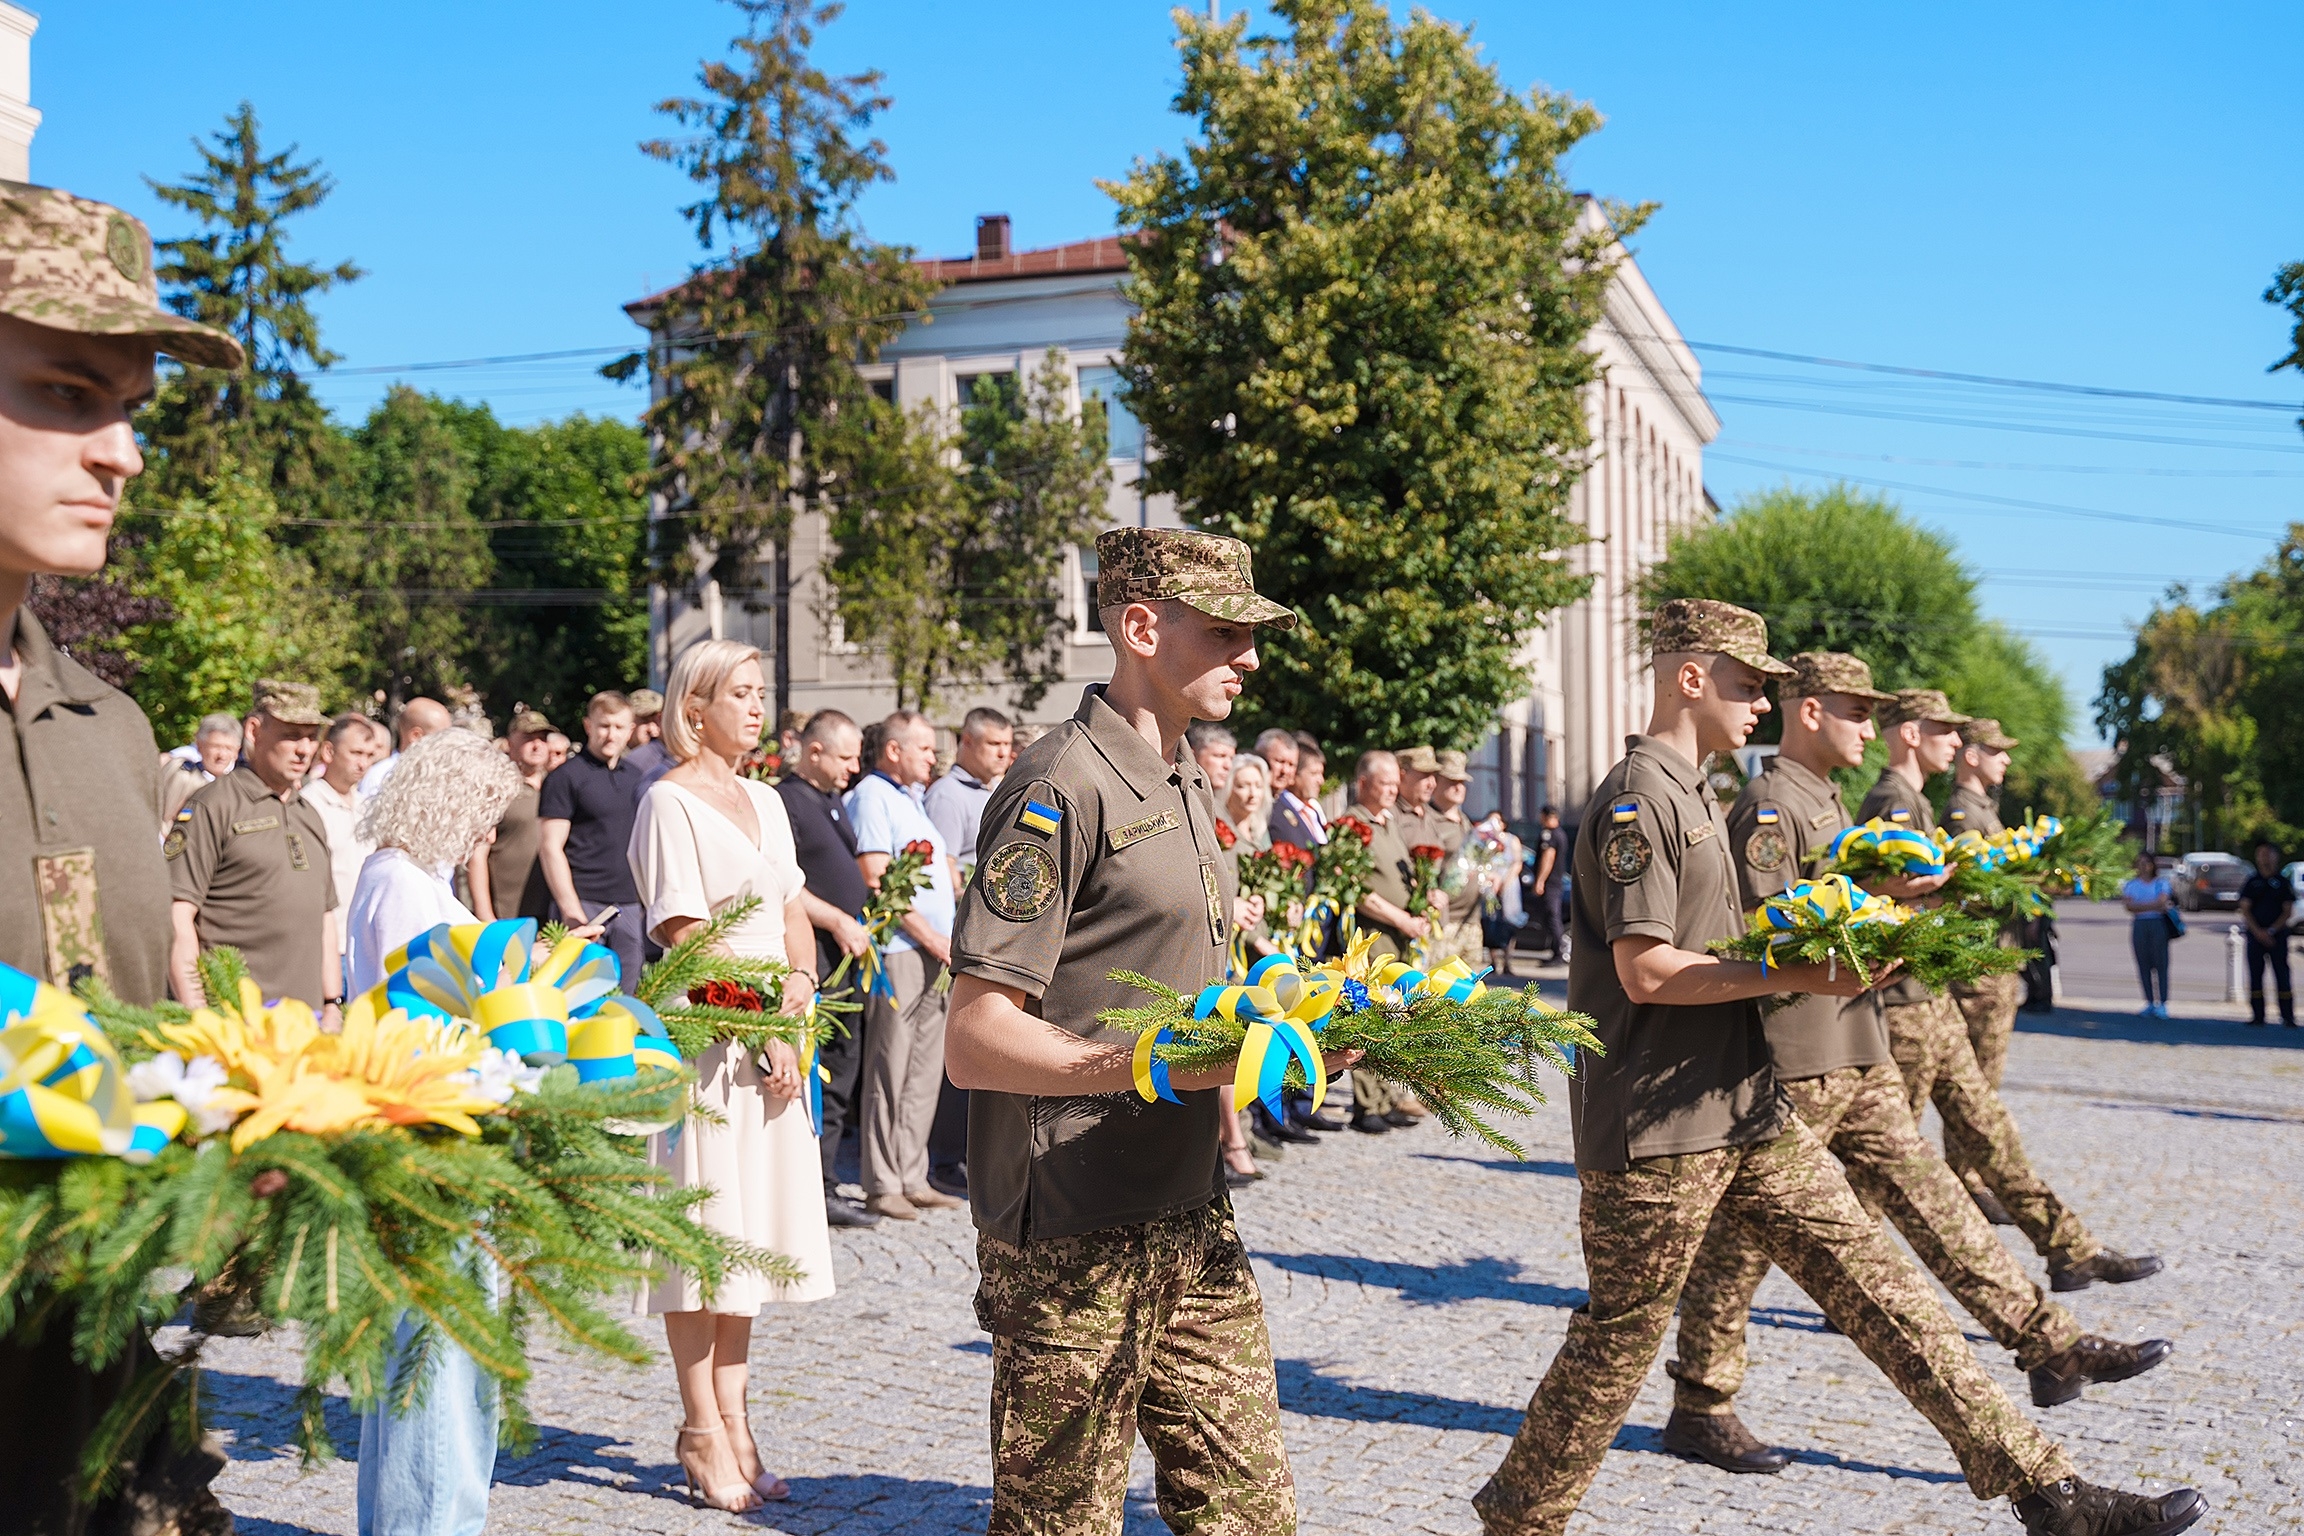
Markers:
(885, 818)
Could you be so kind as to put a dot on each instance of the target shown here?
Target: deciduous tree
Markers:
(1363, 294)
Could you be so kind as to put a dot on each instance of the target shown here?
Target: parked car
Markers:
(2294, 875)
(2206, 880)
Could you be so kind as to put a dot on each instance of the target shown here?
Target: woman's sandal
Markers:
(771, 1488)
(694, 1448)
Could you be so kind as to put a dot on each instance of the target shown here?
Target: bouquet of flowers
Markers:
(1832, 922)
(904, 877)
(1426, 864)
(237, 1154)
(763, 765)
(1462, 1047)
(1278, 874)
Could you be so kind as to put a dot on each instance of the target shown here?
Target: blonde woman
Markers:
(706, 838)
(427, 1470)
(1248, 802)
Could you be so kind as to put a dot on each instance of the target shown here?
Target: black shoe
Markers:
(1400, 1120)
(839, 1211)
(1235, 1179)
(1325, 1121)
(1994, 1211)
(1369, 1125)
(1294, 1134)
(1721, 1439)
(950, 1179)
(2109, 1267)
(2059, 1378)
(2075, 1508)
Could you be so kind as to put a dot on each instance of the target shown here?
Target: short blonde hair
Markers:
(448, 791)
(697, 678)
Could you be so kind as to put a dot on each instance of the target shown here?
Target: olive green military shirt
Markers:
(82, 887)
(1388, 853)
(1900, 805)
(1449, 833)
(1652, 861)
(1778, 830)
(1971, 810)
(1095, 855)
(257, 867)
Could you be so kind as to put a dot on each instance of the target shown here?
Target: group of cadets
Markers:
(1711, 1142)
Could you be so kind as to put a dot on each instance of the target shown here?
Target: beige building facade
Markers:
(1002, 310)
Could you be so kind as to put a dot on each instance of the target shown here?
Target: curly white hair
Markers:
(447, 792)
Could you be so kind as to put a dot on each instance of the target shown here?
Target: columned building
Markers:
(1000, 312)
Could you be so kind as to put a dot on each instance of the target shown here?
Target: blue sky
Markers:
(2092, 195)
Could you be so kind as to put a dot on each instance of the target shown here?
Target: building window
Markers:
(1123, 434)
(969, 383)
(1091, 621)
(885, 389)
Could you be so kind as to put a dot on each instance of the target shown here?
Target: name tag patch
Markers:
(1136, 831)
(1698, 834)
(258, 824)
(1824, 818)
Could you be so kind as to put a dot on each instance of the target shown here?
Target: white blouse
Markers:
(690, 860)
(395, 900)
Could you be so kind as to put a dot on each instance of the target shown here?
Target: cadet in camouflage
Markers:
(1206, 570)
(72, 264)
(1989, 1002)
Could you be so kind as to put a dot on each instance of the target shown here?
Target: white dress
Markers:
(760, 1162)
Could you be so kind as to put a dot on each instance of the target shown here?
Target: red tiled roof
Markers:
(1099, 255)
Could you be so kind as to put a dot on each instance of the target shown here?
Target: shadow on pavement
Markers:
(1503, 1164)
(1304, 1390)
(2096, 1024)
(257, 1525)
(1432, 1284)
(1640, 1437)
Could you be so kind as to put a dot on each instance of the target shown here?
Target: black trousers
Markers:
(843, 1062)
(2276, 955)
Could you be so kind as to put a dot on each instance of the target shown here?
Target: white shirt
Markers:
(394, 901)
(340, 813)
(372, 782)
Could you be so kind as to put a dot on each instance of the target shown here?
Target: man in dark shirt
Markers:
(826, 758)
(1550, 885)
(584, 823)
(2266, 905)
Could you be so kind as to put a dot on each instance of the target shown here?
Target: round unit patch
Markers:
(173, 844)
(126, 251)
(1626, 854)
(1764, 850)
(1019, 881)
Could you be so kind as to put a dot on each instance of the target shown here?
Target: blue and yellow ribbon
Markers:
(1900, 848)
(63, 1089)
(1824, 902)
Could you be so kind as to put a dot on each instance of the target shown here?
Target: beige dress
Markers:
(760, 1161)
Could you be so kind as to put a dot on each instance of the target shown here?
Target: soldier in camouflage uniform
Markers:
(1115, 1286)
(83, 892)
(1831, 1057)
(1930, 1037)
(1989, 1002)
(1682, 1118)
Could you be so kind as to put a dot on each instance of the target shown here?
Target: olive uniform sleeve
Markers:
(193, 846)
(1033, 852)
(1639, 857)
(1764, 840)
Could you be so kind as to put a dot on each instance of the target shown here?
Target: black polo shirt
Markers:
(826, 844)
(598, 803)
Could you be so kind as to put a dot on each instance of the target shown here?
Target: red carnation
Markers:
(727, 994)
(921, 847)
(1293, 856)
(1225, 836)
(1430, 851)
(1356, 827)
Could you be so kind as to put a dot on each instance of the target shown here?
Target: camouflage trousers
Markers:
(1642, 1228)
(1930, 1043)
(1989, 1005)
(1155, 1328)
(1861, 1115)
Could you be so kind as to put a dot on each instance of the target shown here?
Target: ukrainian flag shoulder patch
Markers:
(1768, 816)
(1623, 811)
(1040, 817)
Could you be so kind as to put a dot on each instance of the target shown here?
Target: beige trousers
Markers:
(903, 1074)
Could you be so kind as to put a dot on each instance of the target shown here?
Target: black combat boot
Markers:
(2059, 1378)
(2075, 1508)
(2109, 1267)
(1994, 1211)
(1721, 1439)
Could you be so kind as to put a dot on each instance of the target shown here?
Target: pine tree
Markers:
(759, 347)
(1363, 294)
(236, 275)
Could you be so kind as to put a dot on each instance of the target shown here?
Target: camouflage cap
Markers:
(75, 265)
(1815, 672)
(1699, 626)
(1206, 570)
(1984, 731)
(645, 702)
(289, 703)
(1452, 767)
(529, 722)
(1417, 760)
(1921, 704)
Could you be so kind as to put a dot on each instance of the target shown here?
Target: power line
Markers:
(2055, 469)
(2098, 391)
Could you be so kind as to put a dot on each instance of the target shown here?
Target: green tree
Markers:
(237, 275)
(1362, 299)
(2000, 674)
(760, 346)
(234, 607)
(1835, 570)
(567, 528)
(956, 577)
(409, 554)
(2287, 291)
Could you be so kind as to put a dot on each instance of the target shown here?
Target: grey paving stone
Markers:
(1417, 1287)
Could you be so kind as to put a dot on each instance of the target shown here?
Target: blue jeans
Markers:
(427, 1474)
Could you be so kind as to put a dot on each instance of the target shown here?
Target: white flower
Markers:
(500, 1074)
(168, 1076)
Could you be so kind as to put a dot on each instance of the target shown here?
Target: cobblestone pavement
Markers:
(1418, 1285)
